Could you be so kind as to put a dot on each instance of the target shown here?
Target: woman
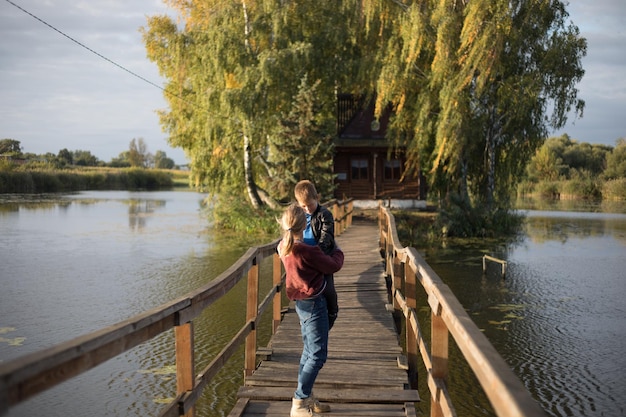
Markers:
(305, 267)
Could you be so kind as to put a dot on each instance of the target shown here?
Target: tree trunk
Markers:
(493, 131)
(247, 166)
(491, 170)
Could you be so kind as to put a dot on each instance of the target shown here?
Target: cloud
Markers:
(603, 87)
(57, 94)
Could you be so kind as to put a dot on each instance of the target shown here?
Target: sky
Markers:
(55, 94)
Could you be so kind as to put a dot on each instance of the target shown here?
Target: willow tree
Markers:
(476, 86)
(233, 68)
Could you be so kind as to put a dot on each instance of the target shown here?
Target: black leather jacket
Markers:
(323, 227)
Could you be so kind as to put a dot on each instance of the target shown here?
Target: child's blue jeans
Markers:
(313, 314)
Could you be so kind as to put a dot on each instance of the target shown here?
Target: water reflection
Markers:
(559, 316)
(71, 264)
(543, 226)
(76, 263)
(139, 211)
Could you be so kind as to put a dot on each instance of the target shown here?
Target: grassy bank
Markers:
(584, 188)
(66, 180)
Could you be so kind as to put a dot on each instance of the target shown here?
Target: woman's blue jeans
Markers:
(313, 314)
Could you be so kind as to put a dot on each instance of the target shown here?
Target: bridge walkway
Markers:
(365, 373)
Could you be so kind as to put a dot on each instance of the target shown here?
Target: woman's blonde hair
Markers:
(293, 223)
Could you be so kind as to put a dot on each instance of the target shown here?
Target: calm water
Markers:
(72, 264)
(559, 316)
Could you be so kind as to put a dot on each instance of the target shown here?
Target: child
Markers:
(305, 268)
(320, 230)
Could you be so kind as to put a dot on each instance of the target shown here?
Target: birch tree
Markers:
(232, 70)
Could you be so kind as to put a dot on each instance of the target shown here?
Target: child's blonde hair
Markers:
(305, 191)
(293, 223)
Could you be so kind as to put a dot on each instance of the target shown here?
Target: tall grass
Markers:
(51, 180)
(614, 189)
(585, 188)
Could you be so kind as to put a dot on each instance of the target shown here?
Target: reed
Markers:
(51, 180)
(614, 189)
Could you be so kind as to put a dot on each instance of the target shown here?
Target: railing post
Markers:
(410, 292)
(350, 210)
(338, 227)
(251, 314)
(439, 353)
(396, 276)
(277, 303)
(185, 373)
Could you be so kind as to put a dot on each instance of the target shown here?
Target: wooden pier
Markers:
(366, 372)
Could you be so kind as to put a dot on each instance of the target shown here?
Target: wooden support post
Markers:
(491, 258)
(410, 291)
(185, 373)
(439, 353)
(350, 210)
(336, 215)
(251, 314)
(277, 303)
(395, 276)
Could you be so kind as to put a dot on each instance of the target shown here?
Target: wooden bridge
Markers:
(367, 372)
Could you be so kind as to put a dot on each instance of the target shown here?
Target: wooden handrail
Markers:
(405, 267)
(31, 374)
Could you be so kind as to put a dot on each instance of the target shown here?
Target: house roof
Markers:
(364, 129)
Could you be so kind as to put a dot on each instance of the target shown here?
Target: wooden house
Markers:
(363, 166)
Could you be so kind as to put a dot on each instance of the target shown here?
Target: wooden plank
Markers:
(345, 396)
(281, 409)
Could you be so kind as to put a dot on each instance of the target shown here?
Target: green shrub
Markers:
(235, 213)
(585, 188)
(548, 189)
(526, 188)
(614, 189)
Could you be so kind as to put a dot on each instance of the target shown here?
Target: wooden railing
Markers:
(24, 377)
(342, 212)
(405, 267)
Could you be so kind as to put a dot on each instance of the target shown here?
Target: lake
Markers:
(74, 263)
(559, 315)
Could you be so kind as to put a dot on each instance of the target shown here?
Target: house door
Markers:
(361, 176)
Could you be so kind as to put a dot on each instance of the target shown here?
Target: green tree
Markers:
(476, 87)
(300, 149)
(616, 161)
(65, 157)
(570, 158)
(233, 68)
(122, 160)
(10, 147)
(544, 166)
(84, 158)
(161, 161)
(585, 157)
(138, 155)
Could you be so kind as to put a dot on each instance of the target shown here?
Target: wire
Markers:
(98, 54)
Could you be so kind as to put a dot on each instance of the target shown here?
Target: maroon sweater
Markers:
(305, 268)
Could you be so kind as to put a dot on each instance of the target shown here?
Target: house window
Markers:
(393, 169)
(359, 169)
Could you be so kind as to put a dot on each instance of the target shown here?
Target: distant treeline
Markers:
(50, 181)
(563, 168)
